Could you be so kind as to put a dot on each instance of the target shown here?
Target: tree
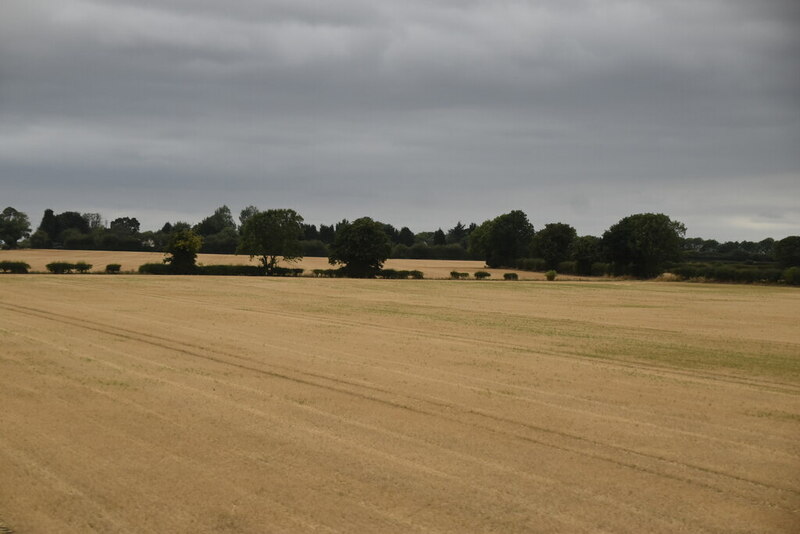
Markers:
(213, 224)
(787, 251)
(552, 243)
(272, 234)
(94, 220)
(327, 234)
(125, 225)
(245, 214)
(458, 234)
(502, 240)
(71, 219)
(362, 247)
(49, 227)
(14, 225)
(439, 237)
(405, 237)
(642, 244)
(585, 251)
(183, 246)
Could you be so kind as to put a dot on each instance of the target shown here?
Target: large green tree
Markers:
(642, 244)
(585, 251)
(182, 247)
(503, 239)
(362, 247)
(14, 225)
(271, 235)
(552, 243)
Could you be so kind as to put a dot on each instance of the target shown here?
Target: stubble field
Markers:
(211, 404)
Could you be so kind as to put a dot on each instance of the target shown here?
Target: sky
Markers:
(420, 113)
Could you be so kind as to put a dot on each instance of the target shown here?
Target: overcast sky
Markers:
(417, 112)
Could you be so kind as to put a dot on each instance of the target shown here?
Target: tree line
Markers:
(640, 245)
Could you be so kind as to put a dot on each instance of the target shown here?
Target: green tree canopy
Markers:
(585, 251)
(787, 251)
(14, 225)
(362, 247)
(642, 244)
(503, 239)
(213, 224)
(183, 246)
(552, 243)
(272, 234)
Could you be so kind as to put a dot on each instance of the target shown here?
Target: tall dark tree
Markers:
(362, 247)
(642, 244)
(552, 243)
(503, 239)
(439, 237)
(457, 235)
(327, 234)
(585, 251)
(219, 221)
(14, 225)
(125, 225)
(405, 237)
(787, 251)
(310, 232)
(72, 219)
(49, 226)
(245, 214)
(273, 234)
(94, 220)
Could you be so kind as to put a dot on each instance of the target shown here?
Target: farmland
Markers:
(227, 404)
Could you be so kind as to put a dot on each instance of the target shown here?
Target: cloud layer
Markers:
(419, 113)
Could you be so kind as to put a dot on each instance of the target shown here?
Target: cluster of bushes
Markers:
(220, 270)
(15, 267)
(742, 274)
(64, 267)
(510, 276)
(596, 268)
(392, 274)
(455, 275)
(328, 273)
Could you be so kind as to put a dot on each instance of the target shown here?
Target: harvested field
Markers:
(214, 404)
(130, 261)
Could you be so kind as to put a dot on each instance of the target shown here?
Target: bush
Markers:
(416, 275)
(791, 276)
(389, 274)
(113, 268)
(481, 275)
(15, 267)
(60, 267)
(83, 267)
(455, 275)
(155, 268)
(510, 276)
(550, 275)
(285, 271)
(230, 270)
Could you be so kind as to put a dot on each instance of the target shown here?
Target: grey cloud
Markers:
(421, 113)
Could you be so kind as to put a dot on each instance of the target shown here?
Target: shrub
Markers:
(510, 276)
(285, 271)
(481, 275)
(230, 270)
(455, 275)
(83, 267)
(550, 275)
(113, 268)
(416, 275)
(15, 267)
(60, 267)
(155, 268)
(318, 272)
(389, 274)
(791, 276)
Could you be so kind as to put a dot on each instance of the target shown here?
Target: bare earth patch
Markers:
(212, 404)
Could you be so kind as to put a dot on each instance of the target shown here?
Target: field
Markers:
(227, 404)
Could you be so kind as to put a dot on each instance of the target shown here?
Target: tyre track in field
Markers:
(398, 460)
(653, 370)
(699, 376)
(340, 387)
(668, 522)
(659, 370)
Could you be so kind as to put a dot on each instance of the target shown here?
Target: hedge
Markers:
(15, 267)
